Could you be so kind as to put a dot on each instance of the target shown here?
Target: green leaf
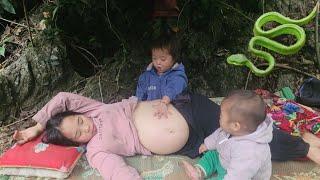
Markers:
(8, 39)
(55, 63)
(54, 12)
(2, 50)
(6, 5)
(85, 2)
(53, 57)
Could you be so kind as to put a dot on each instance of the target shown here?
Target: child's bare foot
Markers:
(192, 172)
(312, 139)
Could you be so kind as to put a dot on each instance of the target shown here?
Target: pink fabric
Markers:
(116, 134)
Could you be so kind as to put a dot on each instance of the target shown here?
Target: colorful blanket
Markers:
(290, 116)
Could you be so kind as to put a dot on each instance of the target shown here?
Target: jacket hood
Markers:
(263, 134)
(175, 67)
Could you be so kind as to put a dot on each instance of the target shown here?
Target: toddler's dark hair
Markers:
(248, 107)
(52, 133)
(169, 42)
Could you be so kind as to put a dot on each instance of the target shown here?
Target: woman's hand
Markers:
(28, 134)
(202, 148)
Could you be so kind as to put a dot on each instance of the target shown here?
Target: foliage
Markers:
(7, 6)
(2, 45)
(117, 33)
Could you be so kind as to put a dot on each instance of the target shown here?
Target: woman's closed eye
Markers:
(78, 132)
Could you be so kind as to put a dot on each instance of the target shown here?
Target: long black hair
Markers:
(52, 133)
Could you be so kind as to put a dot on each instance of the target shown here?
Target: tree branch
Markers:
(28, 23)
(283, 66)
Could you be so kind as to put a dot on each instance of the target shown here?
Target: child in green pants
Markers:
(239, 149)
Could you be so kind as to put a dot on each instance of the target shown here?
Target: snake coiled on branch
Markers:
(264, 38)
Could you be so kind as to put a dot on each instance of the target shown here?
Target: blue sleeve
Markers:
(141, 91)
(176, 83)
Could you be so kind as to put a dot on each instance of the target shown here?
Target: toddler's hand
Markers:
(161, 110)
(202, 148)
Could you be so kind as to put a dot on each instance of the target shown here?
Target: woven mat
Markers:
(299, 170)
(166, 167)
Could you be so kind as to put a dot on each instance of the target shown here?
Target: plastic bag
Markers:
(309, 93)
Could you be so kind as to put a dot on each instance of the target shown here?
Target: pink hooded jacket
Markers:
(116, 134)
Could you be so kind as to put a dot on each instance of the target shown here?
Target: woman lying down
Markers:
(129, 127)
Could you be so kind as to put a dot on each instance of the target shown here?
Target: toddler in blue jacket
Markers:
(164, 77)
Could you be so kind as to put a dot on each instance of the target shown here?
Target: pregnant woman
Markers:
(126, 128)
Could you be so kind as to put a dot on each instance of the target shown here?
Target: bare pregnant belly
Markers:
(160, 136)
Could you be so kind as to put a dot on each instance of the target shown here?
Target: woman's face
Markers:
(78, 128)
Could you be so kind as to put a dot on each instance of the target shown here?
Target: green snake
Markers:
(263, 38)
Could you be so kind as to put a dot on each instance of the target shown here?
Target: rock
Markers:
(34, 75)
